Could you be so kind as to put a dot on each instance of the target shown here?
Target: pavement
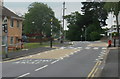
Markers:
(111, 68)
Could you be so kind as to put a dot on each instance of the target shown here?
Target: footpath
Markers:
(22, 53)
(111, 69)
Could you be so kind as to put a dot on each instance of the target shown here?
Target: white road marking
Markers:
(24, 75)
(95, 48)
(54, 61)
(72, 53)
(41, 68)
(99, 56)
(62, 48)
(79, 47)
(17, 62)
(104, 48)
(71, 47)
(67, 55)
(22, 62)
(87, 48)
(61, 58)
(103, 53)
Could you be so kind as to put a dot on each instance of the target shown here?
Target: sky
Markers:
(22, 7)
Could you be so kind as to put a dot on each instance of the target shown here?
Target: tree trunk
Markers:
(118, 30)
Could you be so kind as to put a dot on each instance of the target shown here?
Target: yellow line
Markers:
(94, 72)
(93, 69)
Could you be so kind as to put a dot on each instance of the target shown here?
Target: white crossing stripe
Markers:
(62, 47)
(104, 48)
(79, 47)
(95, 48)
(87, 48)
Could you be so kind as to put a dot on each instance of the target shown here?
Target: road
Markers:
(77, 60)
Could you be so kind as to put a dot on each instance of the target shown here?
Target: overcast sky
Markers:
(22, 7)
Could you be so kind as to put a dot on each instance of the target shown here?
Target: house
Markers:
(14, 28)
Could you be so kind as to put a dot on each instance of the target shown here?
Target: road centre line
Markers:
(54, 61)
(41, 68)
(23, 75)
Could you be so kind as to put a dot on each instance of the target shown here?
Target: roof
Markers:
(9, 13)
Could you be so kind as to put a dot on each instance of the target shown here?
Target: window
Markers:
(11, 40)
(12, 23)
(16, 39)
(18, 23)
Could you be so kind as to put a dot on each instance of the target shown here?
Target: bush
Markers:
(94, 36)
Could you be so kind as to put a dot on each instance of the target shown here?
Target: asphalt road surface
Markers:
(77, 60)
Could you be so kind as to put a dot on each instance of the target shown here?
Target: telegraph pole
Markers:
(63, 20)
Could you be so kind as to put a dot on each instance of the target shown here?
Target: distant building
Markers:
(113, 29)
(14, 23)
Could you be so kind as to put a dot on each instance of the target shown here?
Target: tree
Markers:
(38, 20)
(95, 12)
(114, 7)
(95, 16)
(74, 31)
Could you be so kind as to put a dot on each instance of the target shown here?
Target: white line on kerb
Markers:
(41, 68)
(24, 75)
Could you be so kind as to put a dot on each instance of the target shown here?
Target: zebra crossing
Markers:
(94, 48)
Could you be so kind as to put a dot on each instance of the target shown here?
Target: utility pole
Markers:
(63, 20)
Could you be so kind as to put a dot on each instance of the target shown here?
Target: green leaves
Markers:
(112, 7)
(37, 19)
(93, 18)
